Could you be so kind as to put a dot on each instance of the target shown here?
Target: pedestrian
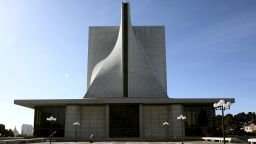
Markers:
(91, 138)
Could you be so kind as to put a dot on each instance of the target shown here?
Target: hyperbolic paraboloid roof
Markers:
(129, 62)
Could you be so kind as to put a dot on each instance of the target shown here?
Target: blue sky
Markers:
(211, 49)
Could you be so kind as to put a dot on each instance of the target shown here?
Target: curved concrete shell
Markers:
(132, 68)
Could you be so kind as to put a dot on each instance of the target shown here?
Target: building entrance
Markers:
(123, 121)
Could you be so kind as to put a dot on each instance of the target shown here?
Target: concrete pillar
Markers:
(107, 121)
(93, 121)
(169, 120)
(175, 128)
(72, 115)
(153, 118)
(141, 120)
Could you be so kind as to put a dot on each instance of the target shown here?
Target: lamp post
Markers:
(51, 119)
(76, 124)
(222, 105)
(182, 119)
(166, 124)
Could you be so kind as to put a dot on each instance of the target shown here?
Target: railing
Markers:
(219, 139)
(252, 140)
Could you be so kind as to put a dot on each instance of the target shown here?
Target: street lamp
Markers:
(51, 119)
(222, 105)
(182, 119)
(76, 124)
(166, 124)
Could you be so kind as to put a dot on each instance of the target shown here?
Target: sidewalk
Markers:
(186, 142)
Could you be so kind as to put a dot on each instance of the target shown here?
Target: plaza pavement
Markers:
(186, 142)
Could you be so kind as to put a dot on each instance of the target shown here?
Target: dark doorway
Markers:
(124, 121)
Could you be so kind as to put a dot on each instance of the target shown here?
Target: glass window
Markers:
(200, 120)
(42, 126)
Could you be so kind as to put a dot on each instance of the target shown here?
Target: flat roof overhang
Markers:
(32, 103)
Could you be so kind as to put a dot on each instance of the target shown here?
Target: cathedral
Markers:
(126, 91)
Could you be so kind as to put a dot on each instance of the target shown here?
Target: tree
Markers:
(10, 133)
(228, 122)
(4, 132)
(234, 125)
(2, 129)
(241, 118)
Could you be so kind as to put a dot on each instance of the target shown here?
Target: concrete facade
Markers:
(94, 119)
(27, 129)
(153, 117)
(72, 114)
(145, 74)
(93, 116)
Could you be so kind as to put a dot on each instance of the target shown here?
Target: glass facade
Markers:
(42, 126)
(200, 120)
(124, 120)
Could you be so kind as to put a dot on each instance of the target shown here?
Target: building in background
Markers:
(127, 91)
(15, 132)
(27, 130)
(250, 128)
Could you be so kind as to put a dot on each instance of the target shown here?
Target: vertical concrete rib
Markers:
(141, 121)
(107, 121)
(125, 16)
